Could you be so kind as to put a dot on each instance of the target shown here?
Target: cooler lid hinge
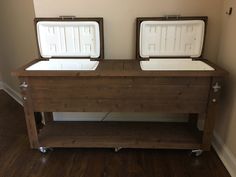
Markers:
(65, 17)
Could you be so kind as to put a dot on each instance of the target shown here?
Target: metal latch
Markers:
(216, 87)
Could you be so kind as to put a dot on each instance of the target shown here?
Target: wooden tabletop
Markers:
(119, 68)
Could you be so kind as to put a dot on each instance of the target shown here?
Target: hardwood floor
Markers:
(17, 160)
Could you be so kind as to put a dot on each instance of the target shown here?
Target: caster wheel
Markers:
(44, 150)
(197, 152)
(118, 149)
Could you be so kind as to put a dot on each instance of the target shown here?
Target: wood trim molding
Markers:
(225, 154)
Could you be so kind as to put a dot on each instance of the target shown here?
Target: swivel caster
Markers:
(118, 149)
(44, 150)
(197, 152)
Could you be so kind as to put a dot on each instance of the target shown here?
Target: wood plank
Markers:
(117, 134)
(48, 117)
(116, 81)
(181, 95)
(119, 105)
(211, 114)
(120, 68)
(30, 118)
(161, 93)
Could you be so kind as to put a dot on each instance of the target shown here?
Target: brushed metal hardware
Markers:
(67, 17)
(214, 100)
(44, 150)
(216, 87)
(24, 85)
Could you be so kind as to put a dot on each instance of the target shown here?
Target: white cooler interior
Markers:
(64, 64)
(172, 45)
(69, 45)
(182, 38)
(174, 65)
(68, 39)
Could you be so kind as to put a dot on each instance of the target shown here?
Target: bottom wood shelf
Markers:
(120, 134)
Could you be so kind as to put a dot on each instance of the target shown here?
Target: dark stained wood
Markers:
(17, 159)
(86, 105)
(121, 86)
(118, 134)
(125, 94)
(193, 119)
(48, 117)
(211, 114)
(119, 68)
(30, 118)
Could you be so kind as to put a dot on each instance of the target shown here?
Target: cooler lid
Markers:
(170, 37)
(70, 38)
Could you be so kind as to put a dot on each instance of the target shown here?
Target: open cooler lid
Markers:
(70, 38)
(170, 37)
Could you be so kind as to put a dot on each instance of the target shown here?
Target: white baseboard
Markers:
(15, 95)
(226, 156)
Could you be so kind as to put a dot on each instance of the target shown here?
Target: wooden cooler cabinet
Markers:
(77, 79)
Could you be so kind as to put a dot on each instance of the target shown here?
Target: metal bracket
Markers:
(216, 87)
(24, 85)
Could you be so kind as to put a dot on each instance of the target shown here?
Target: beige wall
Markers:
(0, 65)
(119, 16)
(226, 126)
(17, 37)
